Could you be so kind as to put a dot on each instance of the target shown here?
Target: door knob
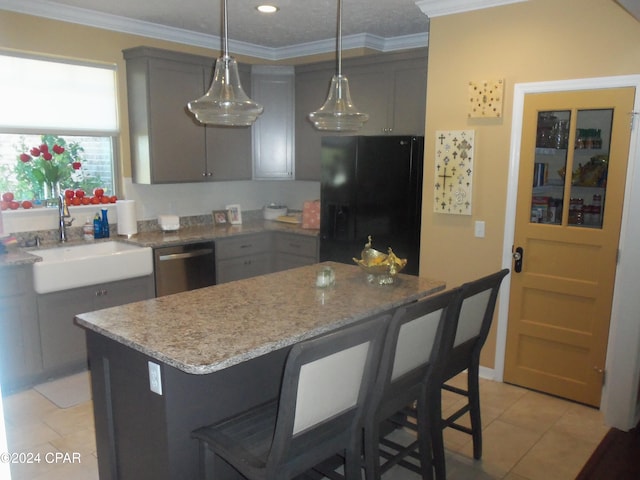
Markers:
(517, 256)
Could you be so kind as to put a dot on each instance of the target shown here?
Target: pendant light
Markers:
(225, 104)
(338, 112)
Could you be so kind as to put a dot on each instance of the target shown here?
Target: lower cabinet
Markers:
(246, 256)
(293, 251)
(20, 355)
(242, 256)
(62, 342)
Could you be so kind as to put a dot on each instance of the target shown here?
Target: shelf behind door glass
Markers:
(590, 166)
(550, 165)
(587, 177)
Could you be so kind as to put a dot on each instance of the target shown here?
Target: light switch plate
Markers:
(479, 229)
(155, 378)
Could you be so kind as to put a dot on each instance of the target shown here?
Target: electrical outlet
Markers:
(155, 379)
(479, 230)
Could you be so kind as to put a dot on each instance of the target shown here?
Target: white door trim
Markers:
(620, 398)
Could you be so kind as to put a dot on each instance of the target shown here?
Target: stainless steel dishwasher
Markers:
(184, 267)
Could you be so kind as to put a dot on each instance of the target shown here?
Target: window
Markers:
(58, 127)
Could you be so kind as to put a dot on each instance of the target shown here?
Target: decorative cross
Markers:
(444, 177)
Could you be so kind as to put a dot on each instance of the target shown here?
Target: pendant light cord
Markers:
(339, 37)
(225, 41)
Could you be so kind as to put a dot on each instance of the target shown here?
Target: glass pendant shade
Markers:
(338, 112)
(226, 103)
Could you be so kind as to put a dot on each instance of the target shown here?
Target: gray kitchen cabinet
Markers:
(390, 88)
(393, 92)
(20, 356)
(168, 145)
(292, 250)
(242, 256)
(62, 341)
(312, 87)
(273, 131)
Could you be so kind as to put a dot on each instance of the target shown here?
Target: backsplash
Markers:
(75, 233)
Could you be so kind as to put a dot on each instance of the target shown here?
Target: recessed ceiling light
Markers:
(267, 8)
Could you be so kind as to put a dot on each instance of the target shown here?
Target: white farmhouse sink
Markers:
(75, 266)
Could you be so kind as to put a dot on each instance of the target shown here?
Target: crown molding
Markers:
(82, 16)
(439, 8)
(631, 6)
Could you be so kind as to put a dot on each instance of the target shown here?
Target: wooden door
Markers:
(573, 163)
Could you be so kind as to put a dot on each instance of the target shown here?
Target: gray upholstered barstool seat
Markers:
(326, 386)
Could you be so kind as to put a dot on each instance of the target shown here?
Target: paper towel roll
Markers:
(127, 223)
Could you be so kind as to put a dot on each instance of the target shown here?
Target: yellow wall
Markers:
(538, 40)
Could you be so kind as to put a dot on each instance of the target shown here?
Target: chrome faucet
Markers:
(63, 212)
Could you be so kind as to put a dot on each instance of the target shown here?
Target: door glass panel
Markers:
(590, 165)
(552, 139)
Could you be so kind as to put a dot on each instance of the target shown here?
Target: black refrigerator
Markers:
(371, 186)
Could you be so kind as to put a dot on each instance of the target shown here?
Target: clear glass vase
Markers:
(51, 194)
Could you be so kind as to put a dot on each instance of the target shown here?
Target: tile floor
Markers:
(527, 435)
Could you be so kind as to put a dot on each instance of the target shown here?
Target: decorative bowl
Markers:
(381, 268)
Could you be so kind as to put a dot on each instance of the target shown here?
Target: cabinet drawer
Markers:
(241, 246)
(296, 245)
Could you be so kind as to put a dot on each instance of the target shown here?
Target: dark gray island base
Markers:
(220, 350)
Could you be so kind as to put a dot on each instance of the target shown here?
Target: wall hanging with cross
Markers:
(453, 178)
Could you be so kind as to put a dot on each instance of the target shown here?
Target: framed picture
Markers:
(219, 217)
(234, 215)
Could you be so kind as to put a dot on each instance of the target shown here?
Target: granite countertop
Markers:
(209, 329)
(211, 232)
(158, 238)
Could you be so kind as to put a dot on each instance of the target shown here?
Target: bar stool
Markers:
(475, 317)
(325, 389)
(419, 338)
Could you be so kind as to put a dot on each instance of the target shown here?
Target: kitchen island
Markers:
(219, 350)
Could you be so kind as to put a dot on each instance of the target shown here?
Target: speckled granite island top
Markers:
(206, 330)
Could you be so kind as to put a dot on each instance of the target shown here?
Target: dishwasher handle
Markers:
(191, 254)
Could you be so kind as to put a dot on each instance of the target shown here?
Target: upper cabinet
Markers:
(273, 131)
(167, 144)
(390, 88)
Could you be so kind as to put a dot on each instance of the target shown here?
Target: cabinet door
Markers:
(125, 291)
(177, 140)
(409, 99)
(242, 267)
(228, 149)
(62, 341)
(19, 336)
(292, 250)
(370, 88)
(273, 87)
(311, 92)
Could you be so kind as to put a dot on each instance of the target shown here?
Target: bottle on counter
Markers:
(97, 226)
(105, 224)
(87, 230)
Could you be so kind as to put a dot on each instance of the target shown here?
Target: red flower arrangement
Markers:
(50, 167)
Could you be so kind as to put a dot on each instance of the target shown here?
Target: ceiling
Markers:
(299, 28)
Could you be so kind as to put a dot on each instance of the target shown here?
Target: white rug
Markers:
(68, 391)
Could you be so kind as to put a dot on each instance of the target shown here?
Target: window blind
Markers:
(42, 95)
